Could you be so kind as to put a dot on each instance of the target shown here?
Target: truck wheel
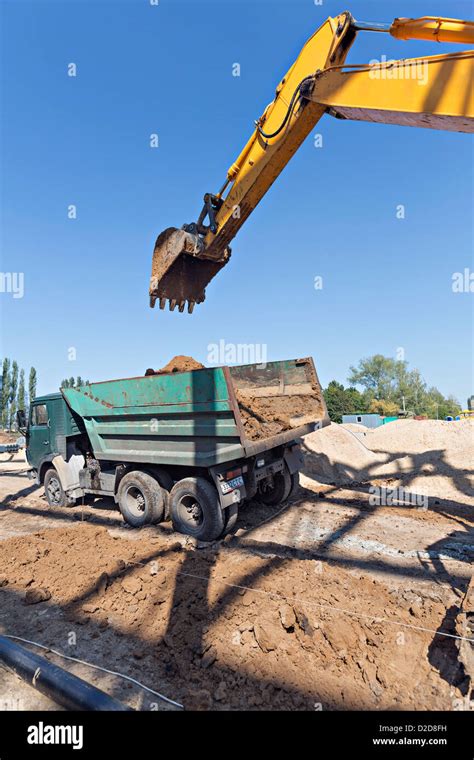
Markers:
(141, 499)
(162, 476)
(275, 490)
(166, 482)
(196, 510)
(54, 492)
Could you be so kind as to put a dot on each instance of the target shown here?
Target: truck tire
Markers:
(166, 482)
(279, 491)
(196, 510)
(162, 476)
(54, 492)
(141, 499)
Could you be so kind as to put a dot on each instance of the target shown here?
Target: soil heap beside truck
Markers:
(190, 446)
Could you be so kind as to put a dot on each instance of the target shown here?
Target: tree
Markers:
(439, 407)
(378, 375)
(340, 400)
(32, 385)
(13, 392)
(384, 408)
(21, 391)
(390, 386)
(6, 379)
(73, 383)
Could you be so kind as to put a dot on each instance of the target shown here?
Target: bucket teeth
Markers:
(180, 304)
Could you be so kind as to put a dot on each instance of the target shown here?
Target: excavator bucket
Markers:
(178, 274)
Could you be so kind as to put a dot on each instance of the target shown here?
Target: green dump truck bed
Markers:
(202, 417)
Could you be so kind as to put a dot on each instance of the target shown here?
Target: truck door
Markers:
(38, 439)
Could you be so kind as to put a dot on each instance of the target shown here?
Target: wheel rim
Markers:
(54, 491)
(135, 501)
(190, 511)
(268, 489)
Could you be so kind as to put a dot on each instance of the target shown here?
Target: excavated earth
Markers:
(268, 416)
(178, 363)
(335, 601)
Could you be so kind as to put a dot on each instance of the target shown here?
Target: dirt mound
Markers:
(430, 457)
(355, 427)
(177, 364)
(414, 436)
(335, 455)
(6, 437)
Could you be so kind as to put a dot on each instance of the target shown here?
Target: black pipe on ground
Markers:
(62, 687)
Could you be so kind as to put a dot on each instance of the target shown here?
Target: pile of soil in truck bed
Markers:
(263, 417)
(177, 364)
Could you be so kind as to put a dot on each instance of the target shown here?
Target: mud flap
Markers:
(69, 474)
(293, 457)
(232, 496)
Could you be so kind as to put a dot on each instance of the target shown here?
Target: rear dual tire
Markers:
(282, 487)
(142, 501)
(196, 510)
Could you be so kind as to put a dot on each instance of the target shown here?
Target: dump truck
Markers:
(188, 446)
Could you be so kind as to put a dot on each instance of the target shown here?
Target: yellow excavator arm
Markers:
(435, 92)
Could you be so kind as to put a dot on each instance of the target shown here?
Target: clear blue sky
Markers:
(168, 69)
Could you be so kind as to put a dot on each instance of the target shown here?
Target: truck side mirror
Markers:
(21, 420)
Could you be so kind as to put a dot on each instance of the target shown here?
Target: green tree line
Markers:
(13, 393)
(71, 382)
(386, 386)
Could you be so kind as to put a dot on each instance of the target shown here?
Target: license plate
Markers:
(230, 485)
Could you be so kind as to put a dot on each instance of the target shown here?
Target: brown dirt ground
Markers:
(251, 631)
(331, 601)
(6, 437)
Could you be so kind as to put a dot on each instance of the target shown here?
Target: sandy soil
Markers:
(268, 416)
(333, 600)
(178, 364)
(431, 458)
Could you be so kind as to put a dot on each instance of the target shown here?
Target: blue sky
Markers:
(168, 70)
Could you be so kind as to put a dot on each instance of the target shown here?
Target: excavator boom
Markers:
(434, 92)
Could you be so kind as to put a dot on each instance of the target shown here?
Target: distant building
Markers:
(368, 420)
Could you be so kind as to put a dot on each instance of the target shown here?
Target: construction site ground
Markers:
(338, 600)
